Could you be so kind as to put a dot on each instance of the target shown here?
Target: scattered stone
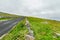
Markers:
(27, 22)
(31, 33)
(56, 35)
(28, 37)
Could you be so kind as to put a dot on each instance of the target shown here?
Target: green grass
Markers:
(6, 18)
(44, 31)
(17, 33)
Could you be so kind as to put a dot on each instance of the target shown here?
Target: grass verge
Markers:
(17, 33)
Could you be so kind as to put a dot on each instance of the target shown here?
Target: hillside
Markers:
(43, 29)
(5, 16)
(8, 15)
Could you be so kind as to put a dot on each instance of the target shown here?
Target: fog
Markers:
(39, 8)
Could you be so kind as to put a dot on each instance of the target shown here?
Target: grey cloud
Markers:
(42, 8)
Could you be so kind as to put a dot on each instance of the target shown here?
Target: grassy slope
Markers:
(44, 29)
(17, 33)
(7, 16)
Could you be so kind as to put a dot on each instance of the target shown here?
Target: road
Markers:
(5, 26)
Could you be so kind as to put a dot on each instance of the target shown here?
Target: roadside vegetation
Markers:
(43, 30)
(18, 32)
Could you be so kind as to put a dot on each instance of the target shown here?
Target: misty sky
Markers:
(39, 8)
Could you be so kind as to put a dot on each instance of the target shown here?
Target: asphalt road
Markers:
(5, 26)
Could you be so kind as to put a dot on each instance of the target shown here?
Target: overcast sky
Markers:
(39, 8)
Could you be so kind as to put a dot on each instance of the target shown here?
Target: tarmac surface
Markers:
(6, 26)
